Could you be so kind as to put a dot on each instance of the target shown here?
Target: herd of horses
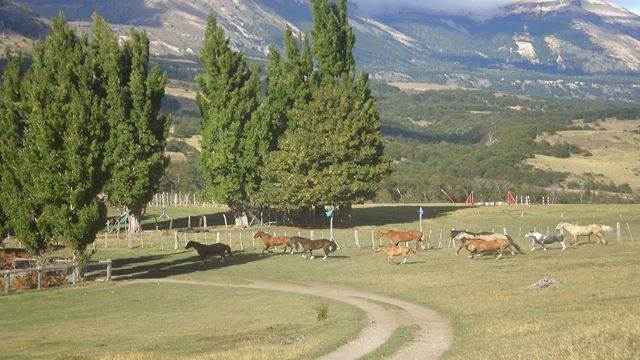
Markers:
(476, 243)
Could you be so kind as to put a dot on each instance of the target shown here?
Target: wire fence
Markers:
(243, 239)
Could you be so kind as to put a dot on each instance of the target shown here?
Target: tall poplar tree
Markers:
(332, 151)
(50, 183)
(288, 85)
(12, 125)
(228, 95)
(135, 160)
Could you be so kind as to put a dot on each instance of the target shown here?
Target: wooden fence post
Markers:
(108, 269)
(373, 241)
(241, 243)
(618, 235)
(355, 236)
(176, 244)
(7, 283)
(218, 237)
(39, 269)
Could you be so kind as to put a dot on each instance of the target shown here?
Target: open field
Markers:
(423, 86)
(614, 146)
(591, 313)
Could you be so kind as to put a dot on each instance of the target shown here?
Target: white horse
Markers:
(540, 239)
(587, 230)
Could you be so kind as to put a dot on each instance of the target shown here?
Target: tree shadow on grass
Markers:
(162, 266)
(384, 215)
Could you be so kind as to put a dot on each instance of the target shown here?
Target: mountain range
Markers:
(580, 48)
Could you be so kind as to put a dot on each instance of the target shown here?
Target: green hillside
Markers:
(469, 140)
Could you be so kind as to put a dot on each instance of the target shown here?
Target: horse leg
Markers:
(499, 256)
(601, 238)
(564, 246)
(460, 248)
(311, 253)
(405, 260)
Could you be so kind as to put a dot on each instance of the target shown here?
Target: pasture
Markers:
(614, 148)
(591, 313)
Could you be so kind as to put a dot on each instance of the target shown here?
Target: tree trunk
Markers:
(134, 221)
(240, 216)
(345, 213)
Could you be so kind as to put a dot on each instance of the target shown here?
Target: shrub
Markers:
(322, 310)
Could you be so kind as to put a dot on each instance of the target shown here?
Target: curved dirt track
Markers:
(432, 340)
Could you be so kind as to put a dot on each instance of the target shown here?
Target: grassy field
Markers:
(614, 147)
(591, 313)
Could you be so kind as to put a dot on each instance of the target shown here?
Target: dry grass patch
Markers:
(615, 150)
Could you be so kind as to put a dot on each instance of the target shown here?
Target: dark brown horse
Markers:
(397, 237)
(270, 241)
(208, 250)
(328, 246)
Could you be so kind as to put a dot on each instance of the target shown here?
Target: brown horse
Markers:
(270, 241)
(484, 235)
(586, 230)
(392, 251)
(479, 246)
(206, 250)
(397, 237)
(328, 246)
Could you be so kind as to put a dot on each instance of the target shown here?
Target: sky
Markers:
(465, 5)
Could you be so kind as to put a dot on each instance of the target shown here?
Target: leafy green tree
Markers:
(135, 158)
(333, 41)
(331, 152)
(228, 96)
(12, 125)
(52, 159)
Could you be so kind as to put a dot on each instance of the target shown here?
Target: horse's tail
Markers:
(606, 228)
(513, 243)
(333, 246)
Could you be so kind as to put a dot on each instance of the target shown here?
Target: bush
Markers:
(322, 310)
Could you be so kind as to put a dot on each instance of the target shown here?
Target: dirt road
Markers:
(432, 340)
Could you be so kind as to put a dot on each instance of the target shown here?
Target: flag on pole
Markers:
(420, 211)
(330, 213)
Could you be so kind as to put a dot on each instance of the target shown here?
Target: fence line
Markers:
(351, 238)
(76, 271)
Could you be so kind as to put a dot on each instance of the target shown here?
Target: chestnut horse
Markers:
(401, 236)
(206, 250)
(270, 241)
(485, 235)
(479, 246)
(586, 230)
(392, 251)
(328, 246)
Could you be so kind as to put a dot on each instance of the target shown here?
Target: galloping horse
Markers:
(479, 246)
(270, 241)
(328, 246)
(392, 251)
(401, 236)
(206, 250)
(587, 230)
(542, 240)
(485, 235)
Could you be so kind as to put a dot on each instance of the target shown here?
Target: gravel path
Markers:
(432, 340)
